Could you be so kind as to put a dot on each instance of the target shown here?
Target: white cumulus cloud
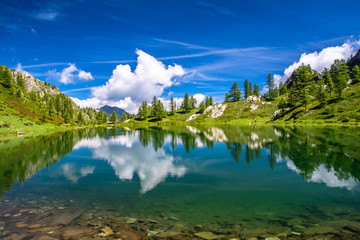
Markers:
(320, 60)
(72, 72)
(199, 98)
(149, 79)
(85, 75)
(126, 89)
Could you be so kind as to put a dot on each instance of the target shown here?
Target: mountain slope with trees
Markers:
(28, 103)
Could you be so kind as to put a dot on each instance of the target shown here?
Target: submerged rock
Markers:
(76, 232)
(107, 231)
(208, 235)
(354, 226)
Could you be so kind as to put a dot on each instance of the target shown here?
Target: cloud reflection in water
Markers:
(127, 156)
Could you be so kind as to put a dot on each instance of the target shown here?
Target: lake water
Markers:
(191, 182)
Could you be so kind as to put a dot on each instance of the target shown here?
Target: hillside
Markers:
(28, 104)
(345, 110)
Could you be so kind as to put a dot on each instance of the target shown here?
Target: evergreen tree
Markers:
(256, 91)
(282, 89)
(270, 86)
(340, 75)
(99, 117)
(58, 105)
(123, 117)
(201, 107)
(321, 94)
(18, 93)
(113, 117)
(50, 105)
(6, 78)
(211, 101)
(355, 74)
(105, 118)
(68, 110)
(293, 96)
(160, 114)
(193, 102)
(282, 104)
(247, 87)
(227, 97)
(172, 106)
(304, 97)
(207, 103)
(276, 92)
(20, 81)
(154, 107)
(186, 105)
(234, 93)
(143, 111)
(328, 81)
(80, 118)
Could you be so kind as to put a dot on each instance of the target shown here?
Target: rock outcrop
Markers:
(33, 84)
(355, 60)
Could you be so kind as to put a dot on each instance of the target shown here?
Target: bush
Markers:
(330, 110)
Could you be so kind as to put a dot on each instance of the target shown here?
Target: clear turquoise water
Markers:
(254, 177)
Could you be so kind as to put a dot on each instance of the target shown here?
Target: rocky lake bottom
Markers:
(196, 184)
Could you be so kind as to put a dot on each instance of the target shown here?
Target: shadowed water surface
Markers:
(185, 182)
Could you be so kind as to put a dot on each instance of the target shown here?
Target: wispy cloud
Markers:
(186, 45)
(45, 65)
(218, 9)
(222, 52)
(114, 61)
(48, 14)
(78, 90)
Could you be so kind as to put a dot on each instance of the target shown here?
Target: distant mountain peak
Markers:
(109, 109)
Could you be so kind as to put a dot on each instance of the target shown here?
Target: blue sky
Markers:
(214, 42)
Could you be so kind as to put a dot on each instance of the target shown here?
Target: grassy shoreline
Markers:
(50, 129)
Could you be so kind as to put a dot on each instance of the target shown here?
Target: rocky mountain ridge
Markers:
(36, 85)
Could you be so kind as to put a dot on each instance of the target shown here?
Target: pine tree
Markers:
(234, 93)
(247, 87)
(105, 118)
(113, 117)
(282, 104)
(172, 106)
(80, 118)
(340, 75)
(193, 102)
(256, 91)
(58, 105)
(123, 117)
(20, 81)
(293, 96)
(276, 92)
(99, 117)
(270, 86)
(6, 78)
(304, 97)
(328, 81)
(143, 111)
(186, 105)
(282, 89)
(355, 74)
(154, 107)
(201, 107)
(160, 111)
(227, 97)
(321, 94)
(211, 101)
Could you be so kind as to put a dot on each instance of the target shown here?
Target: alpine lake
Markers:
(188, 182)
